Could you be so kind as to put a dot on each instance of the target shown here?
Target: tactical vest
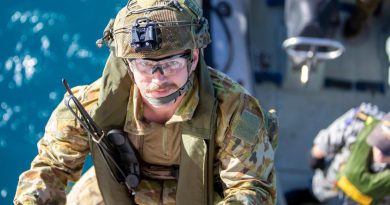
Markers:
(356, 180)
(197, 140)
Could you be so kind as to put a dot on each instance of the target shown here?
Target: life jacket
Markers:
(355, 179)
(197, 140)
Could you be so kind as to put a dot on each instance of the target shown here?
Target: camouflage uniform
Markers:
(245, 155)
(335, 141)
(85, 191)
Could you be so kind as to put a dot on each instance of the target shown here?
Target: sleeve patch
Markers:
(247, 127)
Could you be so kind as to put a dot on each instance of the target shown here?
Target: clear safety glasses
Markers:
(168, 66)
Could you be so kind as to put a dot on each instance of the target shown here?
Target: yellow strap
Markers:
(367, 119)
(362, 116)
(350, 190)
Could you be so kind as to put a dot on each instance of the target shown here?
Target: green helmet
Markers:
(150, 28)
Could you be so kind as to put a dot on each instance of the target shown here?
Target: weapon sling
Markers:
(128, 171)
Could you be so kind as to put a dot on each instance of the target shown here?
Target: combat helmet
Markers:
(149, 28)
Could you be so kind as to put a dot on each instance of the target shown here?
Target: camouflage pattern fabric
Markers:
(85, 191)
(181, 29)
(62, 152)
(245, 157)
(335, 141)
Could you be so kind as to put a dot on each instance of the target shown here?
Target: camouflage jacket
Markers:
(245, 156)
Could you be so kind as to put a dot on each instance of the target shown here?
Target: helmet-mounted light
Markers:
(145, 35)
(152, 28)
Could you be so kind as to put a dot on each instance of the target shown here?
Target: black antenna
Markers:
(85, 119)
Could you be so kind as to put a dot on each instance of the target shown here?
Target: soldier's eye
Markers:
(172, 63)
(145, 63)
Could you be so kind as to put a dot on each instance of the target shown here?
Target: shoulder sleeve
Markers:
(246, 155)
(62, 151)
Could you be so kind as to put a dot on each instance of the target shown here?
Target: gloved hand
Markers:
(317, 163)
(107, 36)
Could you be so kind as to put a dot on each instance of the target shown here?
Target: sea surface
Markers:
(42, 42)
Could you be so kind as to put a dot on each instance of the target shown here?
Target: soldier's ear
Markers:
(195, 59)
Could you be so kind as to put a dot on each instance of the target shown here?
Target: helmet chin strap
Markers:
(172, 97)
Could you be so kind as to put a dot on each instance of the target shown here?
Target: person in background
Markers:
(167, 128)
(334, 151)
(335, 147)
(365, 178)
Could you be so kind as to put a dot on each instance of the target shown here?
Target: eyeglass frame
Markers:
(187, 56)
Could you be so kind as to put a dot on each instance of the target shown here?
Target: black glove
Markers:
(317, 163)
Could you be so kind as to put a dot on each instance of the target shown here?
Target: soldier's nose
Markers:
(158, 68)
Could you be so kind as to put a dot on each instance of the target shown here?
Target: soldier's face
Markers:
(379, 156)
(159, 78)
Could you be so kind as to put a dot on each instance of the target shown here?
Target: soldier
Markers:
(341, 148)
(200, 137)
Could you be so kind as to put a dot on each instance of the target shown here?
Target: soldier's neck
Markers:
(160, 114)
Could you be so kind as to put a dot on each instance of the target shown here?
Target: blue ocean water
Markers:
(41, 43)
